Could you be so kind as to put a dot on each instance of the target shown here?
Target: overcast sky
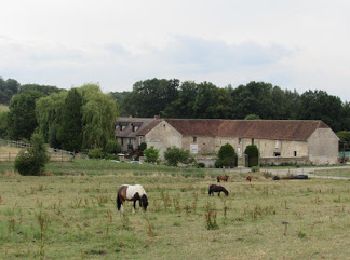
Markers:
(296, 44)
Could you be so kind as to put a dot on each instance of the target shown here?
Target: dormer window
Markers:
(134, 128)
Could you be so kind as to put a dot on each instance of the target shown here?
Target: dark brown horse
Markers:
(222, 178)
(132, 193)
(216, 188)
(249, 178)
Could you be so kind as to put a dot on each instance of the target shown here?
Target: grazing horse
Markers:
(223, 178)
(216, 188)
(249, 178)
(133, 193)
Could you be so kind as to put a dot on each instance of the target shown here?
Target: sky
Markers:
(295, 44)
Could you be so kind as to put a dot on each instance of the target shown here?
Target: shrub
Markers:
(152, 155)
(112, 146)
(31, 162)
(96, 153)
(175, 155)
(252, 153)
(226, 157)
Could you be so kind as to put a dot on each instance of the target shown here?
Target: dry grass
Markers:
(75, 217)
(4, 108)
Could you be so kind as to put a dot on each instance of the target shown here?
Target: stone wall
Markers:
(323, 146)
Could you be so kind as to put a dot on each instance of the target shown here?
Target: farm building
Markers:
(278, 141)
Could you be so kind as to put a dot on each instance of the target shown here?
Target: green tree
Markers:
(32, 161)
(22, 118)
(318, 105)
(151, 154)
(252, 117)
(99, 112)
(226, 157)
(175, 155)
(49, 113)
(3, 124)
(252, 153)
(150, 97)
(8, 88)
(72, 121)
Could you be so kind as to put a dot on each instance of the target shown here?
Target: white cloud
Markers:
(296, 44)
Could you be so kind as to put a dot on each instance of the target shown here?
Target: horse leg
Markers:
(219, 193)
(134, 207)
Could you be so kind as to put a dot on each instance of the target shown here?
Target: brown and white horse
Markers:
(133, 193)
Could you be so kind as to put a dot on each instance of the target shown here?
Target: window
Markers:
(252, 141)
(134, 128)
(194, 139)
(276, 154)
(295, 153)
(203, 143)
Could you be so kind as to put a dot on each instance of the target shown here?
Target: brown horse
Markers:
(249, 178)
(216, 188)
(223, 178)
(133, 193)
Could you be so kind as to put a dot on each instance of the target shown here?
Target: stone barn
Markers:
(278, 141)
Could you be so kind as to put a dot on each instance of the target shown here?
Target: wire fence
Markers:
(56, 155)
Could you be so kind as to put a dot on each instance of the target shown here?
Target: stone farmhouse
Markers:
(278, 141)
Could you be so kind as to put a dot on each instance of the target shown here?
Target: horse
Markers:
(224, 178)
(133, 193)
(216, 188)
(249, 178)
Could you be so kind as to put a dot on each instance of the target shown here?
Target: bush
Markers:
(252, 153)
(175, 155)
(152, 155)
(226, 157)
(96, 153)
(31, 162)
(112, 146)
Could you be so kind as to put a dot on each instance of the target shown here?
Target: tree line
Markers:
(82, 118)
(175, 99)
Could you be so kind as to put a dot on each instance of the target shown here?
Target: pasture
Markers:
(71, 214)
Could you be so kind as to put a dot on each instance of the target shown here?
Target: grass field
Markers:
(70, 214)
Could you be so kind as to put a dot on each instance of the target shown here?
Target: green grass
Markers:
(76, 209)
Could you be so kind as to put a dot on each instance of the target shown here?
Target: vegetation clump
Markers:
(175, 155)
(226, 157)
(31, 161)
(152, 154)
(252, 153)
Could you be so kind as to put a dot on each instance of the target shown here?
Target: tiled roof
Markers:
(299, 130)
(143, 126)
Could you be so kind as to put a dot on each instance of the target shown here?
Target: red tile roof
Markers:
(298, 130)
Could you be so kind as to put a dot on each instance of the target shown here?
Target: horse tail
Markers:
(119, 201)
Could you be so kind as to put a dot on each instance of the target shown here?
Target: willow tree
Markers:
(49, 114)
(99, 112)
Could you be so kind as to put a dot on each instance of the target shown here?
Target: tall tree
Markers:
(99, 112)
(22, 119)
(72, 121)
(8, 88)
